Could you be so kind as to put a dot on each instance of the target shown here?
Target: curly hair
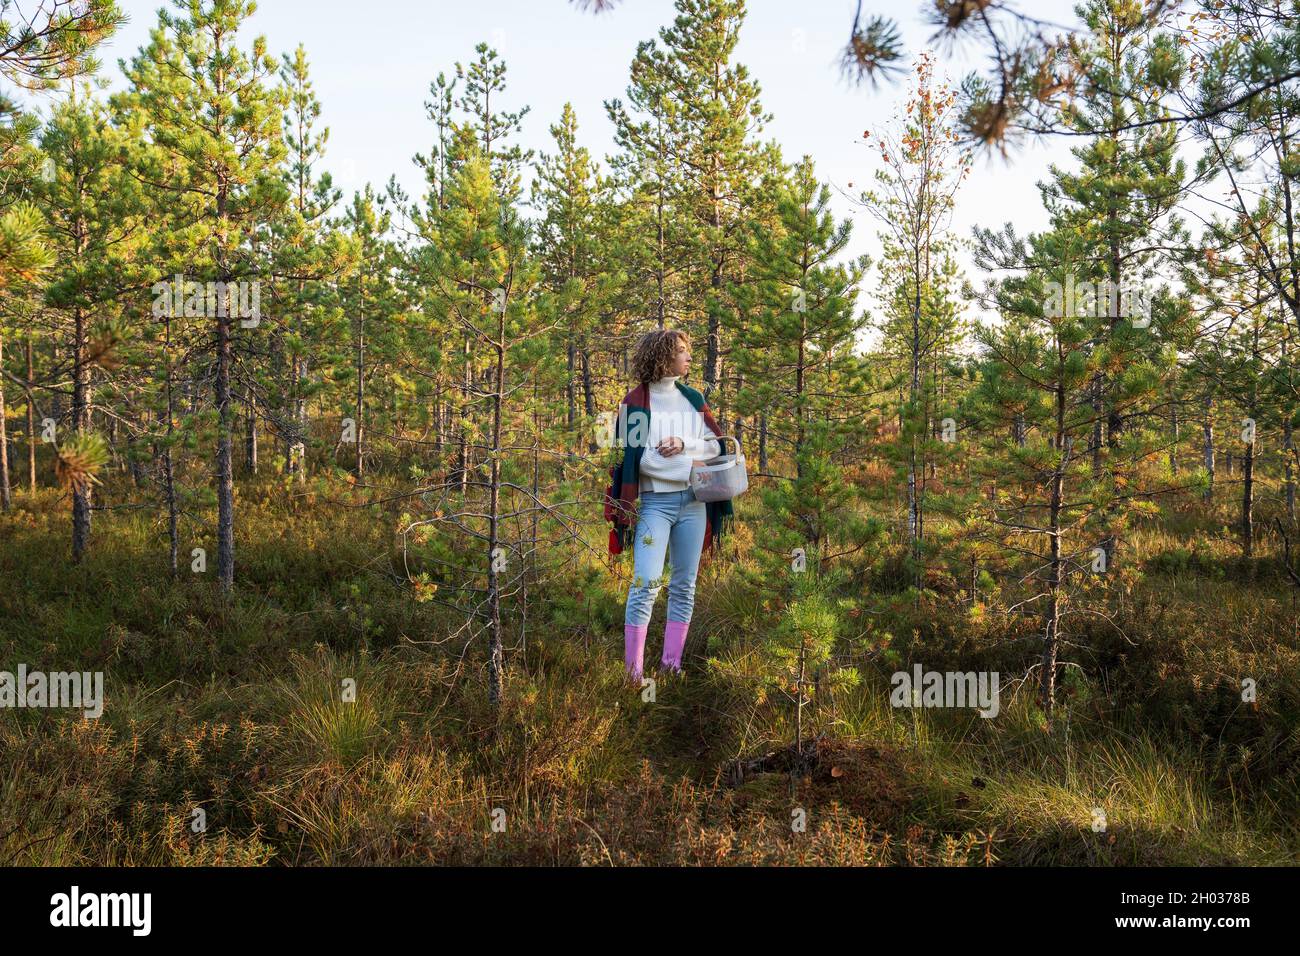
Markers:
(652, 359)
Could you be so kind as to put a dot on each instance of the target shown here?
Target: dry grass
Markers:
(238, 710)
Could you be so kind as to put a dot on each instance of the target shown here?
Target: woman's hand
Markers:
(671, 446)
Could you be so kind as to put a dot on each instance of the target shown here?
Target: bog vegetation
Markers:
(316, 480)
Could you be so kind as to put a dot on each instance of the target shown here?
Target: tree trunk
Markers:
(799, 387)
(225, 476)
(1288, 459)
(588, 395)
(1248, 500)
(250, 433)
(80, 423)
(31, 421)
(738, 423)
(138, 475)
(1207, 446)
(1288, 450)
(495, 642)
(361, 392)
(713, 351)
(169, 477)
(462, 449)
(1052, 621)
(112, 437)
(571, 385)
(1096, 426)
(914, 389)
(798, 713)
(300, 420)
(5, 494)
(1173, 448)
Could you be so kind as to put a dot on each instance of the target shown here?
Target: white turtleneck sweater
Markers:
(673, 416)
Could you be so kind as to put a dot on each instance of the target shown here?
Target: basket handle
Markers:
(722, 448)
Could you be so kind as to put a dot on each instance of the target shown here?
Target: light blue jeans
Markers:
(666, 521)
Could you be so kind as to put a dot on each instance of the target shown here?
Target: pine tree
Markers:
(310, 256)
(1036, 371)
(487, 125)
(718, 120)
(25, 255)
(1241, 356)
(566, 191)
(1048, 512)
(916, 187)
(433, 343)
(38, 50)
(802, 377)
(693, 146)
(799, 362)
(95, 215)
(485, 285)
(487, 130)
(437, 165)
(1128, 182)
(652, 229)
(370, 299)
(209, 121)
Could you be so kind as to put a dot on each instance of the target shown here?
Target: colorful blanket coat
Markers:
(625, 477)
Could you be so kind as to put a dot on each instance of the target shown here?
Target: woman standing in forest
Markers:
(664, 428)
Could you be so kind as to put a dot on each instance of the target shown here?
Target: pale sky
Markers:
(372, 74)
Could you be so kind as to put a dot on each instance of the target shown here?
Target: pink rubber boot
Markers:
(634, 649)
(675, 643)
